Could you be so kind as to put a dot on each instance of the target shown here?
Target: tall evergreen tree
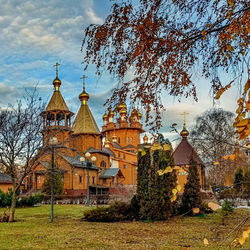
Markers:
(143, 181)
(239, 180)
(192, 195)
(57, 182)
(154, 190)
(247, 181)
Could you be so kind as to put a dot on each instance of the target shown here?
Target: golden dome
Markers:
(114, 138)
(111, 112)
(105, 116)
(123, 111)
(122, 105)
(57, 82)
(145, 139)
(107, 143)
(84, 96)
(134, 112)
(184, 133)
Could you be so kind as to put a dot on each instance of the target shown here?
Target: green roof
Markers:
(111, 172)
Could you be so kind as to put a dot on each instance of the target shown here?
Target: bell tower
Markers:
(56, 116)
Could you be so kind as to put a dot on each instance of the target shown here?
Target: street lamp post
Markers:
(88, 164)
(52, 142)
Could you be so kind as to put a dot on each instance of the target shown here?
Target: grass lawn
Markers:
(33, 230)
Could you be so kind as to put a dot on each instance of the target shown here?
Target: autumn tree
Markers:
(20, 137)
(163, 43)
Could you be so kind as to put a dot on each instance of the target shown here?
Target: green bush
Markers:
(5, 200)
(117, 211)
(134, 208)
(226, 209)
(30, 201)
(99, 214)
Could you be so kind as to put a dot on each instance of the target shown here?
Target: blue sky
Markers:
(35, 34)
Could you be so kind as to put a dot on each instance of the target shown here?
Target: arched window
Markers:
(103, 164)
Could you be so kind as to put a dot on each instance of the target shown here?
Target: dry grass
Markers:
(32, 230)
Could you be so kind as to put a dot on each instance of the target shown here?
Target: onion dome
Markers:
(84, 97)
(122, 105)
(114, 138)
(107, 143)
(145, 139)
(134, 112)
(105, 116)
(123, 111)
(57, 83)
(184, 133)
(111, 113)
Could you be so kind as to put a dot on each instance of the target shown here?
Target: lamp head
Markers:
(53, 141)
(82, 159)
(93, 158)
(87, 155)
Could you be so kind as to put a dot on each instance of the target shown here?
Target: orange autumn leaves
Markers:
(164, 50)
(242, 120)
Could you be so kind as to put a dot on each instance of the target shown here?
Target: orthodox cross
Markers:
(56, 65)
(184, 116)
(83, 81)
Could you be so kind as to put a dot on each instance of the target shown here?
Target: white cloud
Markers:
(92, 17)
(8, 95)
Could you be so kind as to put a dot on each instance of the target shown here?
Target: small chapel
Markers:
(93, 161)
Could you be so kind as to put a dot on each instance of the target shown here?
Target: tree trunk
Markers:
(13, 206)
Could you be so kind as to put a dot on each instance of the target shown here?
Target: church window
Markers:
(103, 164)
(125, 166)
(118, 139)
(80, 179)
(93, 179)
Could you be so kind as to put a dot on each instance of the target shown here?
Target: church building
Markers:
(103, 161)
(93, 161)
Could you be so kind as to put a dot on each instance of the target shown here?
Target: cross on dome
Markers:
(184, 116)
(83, 81)
(184, 133)
(56, 65)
